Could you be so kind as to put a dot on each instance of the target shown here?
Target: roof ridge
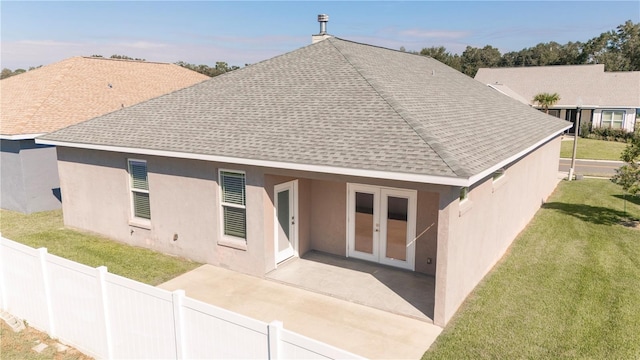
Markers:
(405, 115)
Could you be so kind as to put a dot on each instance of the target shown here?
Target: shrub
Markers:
(611, 134)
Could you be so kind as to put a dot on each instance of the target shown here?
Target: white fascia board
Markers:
(20, 136)
(440, 180)
(475, 178)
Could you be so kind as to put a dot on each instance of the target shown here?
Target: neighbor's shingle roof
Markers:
(333, 103)
(80, 88)
(589, 84)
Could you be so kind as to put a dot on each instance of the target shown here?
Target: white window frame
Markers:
(231, 240)
(464, 193)
(610, 126)
(132, 190)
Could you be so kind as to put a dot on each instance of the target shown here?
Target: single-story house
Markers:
(56, 96)
(339, 147)
(604, 99)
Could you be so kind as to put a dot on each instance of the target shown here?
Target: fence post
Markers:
(44, 270)
(101, 273)
(274, 331)
(177, 297)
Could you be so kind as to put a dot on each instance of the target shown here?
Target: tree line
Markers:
(618, 50)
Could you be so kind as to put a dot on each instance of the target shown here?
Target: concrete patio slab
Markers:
(360, 329)
(390, 289)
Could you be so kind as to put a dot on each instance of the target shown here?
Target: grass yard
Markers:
(568, 288)
(20, 346)
(46, 229)
(593, 149)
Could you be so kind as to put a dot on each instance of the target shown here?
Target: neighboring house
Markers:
(339, 147)
(606, 99)
(56, 96)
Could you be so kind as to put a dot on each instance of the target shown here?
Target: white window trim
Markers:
(500, 179)
(613, 111)
(465, 204)
(133, 219)
(230, 240)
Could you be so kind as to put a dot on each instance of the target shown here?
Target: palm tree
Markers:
(545, 100)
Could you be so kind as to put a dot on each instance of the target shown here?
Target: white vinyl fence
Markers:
(110, 317)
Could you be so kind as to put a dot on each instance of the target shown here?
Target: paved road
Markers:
(591, 167)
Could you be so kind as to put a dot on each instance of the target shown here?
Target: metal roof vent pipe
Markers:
(323, 19)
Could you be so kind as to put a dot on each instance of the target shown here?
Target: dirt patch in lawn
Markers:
(634, 224)
(24, 345)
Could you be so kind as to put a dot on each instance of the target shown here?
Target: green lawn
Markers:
(568, 288)
(593, 149)
(46, 229)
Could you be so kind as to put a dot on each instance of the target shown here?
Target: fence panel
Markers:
(141, 320)
(24, 287)
(108, 316)
(296, 346)
(76, 305)
(213, 333)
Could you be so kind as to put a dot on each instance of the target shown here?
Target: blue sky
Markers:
(239, 32)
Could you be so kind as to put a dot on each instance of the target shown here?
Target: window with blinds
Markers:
(139, 189)
(234, 217)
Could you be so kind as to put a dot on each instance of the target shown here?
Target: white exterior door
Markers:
(285, 224)
(381, 225)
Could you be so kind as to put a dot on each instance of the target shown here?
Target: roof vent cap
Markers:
(323, 19)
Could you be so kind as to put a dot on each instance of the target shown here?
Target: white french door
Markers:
(285, 222)
(381, 225)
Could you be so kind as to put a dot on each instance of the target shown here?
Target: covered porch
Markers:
(378, 286)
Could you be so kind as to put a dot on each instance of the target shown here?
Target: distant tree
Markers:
(474, 58)
(220, 68)
(6, 73)
(618, 50)
(546, 100)
(125, 57)
(628, 175)
(441, 54)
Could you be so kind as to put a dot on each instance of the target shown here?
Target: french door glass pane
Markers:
(397, 210)
(364, 223)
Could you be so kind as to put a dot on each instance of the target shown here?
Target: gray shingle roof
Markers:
(334, 103)
(589, 84)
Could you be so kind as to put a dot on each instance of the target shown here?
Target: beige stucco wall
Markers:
(474, 234)
(184, 200)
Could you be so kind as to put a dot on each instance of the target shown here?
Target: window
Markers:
(233, 200)
(139, 189)
(554, 112)
(464, 193)
(612, 119)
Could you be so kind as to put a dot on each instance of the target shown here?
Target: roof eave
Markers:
(475, 178)
(420, 178)
(20, 136)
